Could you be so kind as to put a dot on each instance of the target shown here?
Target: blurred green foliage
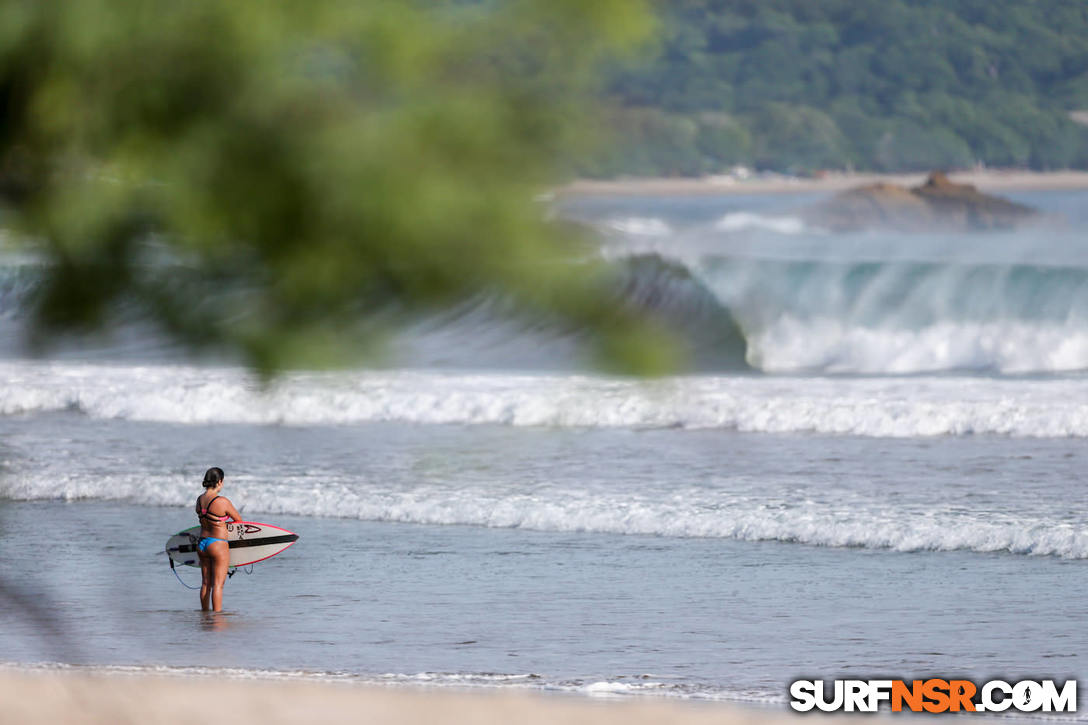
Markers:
(891, 85)
(274, 178)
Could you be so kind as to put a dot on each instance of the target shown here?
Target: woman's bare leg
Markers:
(205, 581)
(221, 559)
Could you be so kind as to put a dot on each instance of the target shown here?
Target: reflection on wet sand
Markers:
(215, 621)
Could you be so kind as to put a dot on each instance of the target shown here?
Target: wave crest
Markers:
(734, 313)
(875, 407)
(846, 520)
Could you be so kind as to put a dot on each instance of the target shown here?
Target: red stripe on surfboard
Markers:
(271, 526)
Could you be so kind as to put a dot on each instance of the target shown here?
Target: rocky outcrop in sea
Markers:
(936, 205)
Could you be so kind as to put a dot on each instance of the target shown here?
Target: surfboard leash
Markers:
(179, 576)
(229, 574)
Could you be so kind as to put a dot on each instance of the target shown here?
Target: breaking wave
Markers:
(733, 309)
(845, 519)
(873, 407)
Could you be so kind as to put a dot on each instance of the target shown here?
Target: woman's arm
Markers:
(231, 511)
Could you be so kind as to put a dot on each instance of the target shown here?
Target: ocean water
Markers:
(873, 468)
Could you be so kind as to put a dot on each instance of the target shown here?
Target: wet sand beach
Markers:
(30, 697)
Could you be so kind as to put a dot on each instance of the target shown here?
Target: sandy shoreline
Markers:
(986, 180)
(33, 696)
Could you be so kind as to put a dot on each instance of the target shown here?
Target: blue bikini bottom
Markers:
(203, 543)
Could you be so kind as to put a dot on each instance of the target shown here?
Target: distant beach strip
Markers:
(770, 183)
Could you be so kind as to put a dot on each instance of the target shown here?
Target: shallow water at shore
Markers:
(706, 618)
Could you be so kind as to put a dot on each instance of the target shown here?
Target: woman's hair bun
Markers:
(213, 477)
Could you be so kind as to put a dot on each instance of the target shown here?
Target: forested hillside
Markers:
(800, 85)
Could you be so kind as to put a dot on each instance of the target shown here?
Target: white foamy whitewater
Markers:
(876, 407)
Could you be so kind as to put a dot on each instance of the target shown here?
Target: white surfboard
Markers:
(249, 543)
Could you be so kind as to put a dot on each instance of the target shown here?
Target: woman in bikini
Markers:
(214, 511)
